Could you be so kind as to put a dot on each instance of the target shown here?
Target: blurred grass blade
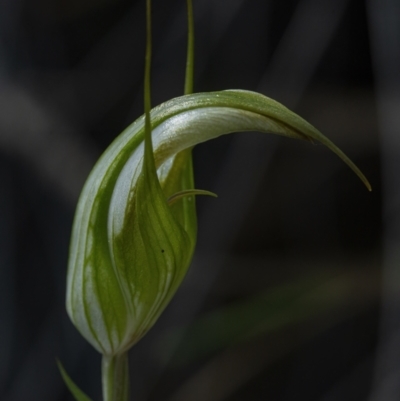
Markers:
(78, 394)
(281, 307)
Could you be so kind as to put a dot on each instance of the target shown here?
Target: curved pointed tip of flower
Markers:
(360, 175)
(355, 169)
(368, 185)
(330, 145)
(189, 192)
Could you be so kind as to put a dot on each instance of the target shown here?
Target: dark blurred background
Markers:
(293, 293)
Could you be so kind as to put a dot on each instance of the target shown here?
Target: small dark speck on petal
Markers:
(162, 250)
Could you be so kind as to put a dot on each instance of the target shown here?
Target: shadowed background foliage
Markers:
(293, 291)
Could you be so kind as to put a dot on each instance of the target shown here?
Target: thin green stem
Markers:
(115, 377)
(147, 78)
(189, 74)
(190, 50)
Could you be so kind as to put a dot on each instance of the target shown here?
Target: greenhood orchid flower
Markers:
(135, 226)
(131, 248)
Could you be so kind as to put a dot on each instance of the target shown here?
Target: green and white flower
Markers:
(131, 248)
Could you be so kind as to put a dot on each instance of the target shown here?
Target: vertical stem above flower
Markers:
(147, 87)
(190, 50)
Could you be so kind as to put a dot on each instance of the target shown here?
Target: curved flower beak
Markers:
(130, 247)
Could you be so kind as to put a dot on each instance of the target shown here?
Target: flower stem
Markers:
(190, 50)
(115, 378)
